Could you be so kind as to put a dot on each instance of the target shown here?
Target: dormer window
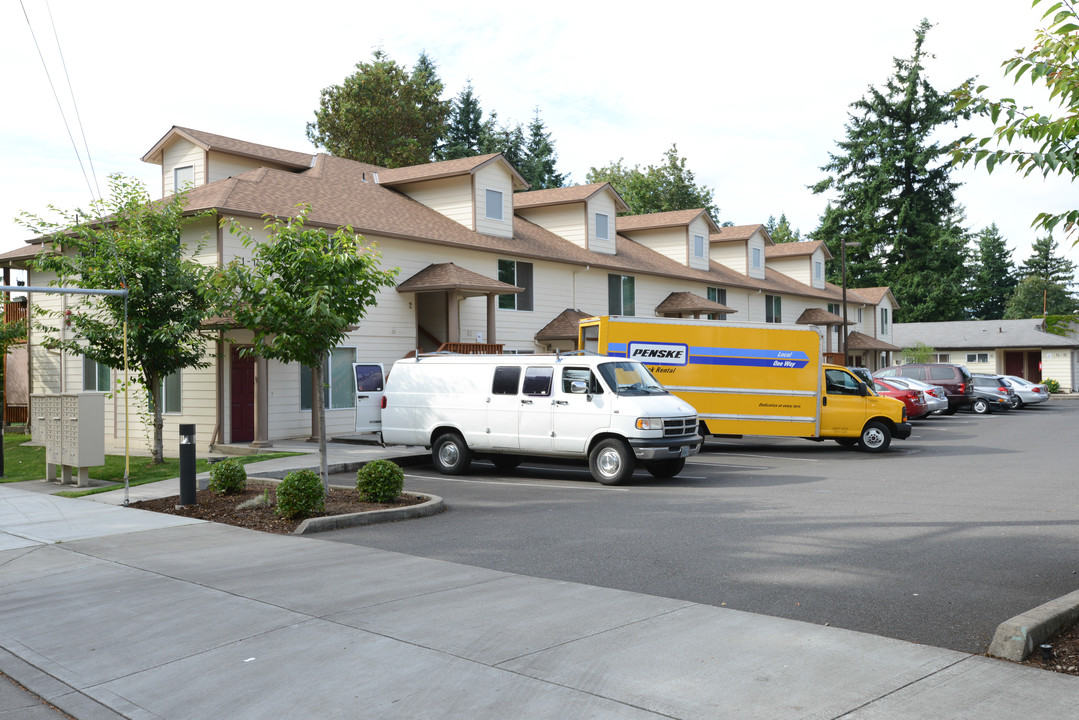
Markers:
(602, 233)
(756, 257)
(183, 177)
(698, 246)
(818, 269)
(493, 211)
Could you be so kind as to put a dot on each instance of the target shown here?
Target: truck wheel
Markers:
(450, 454)
(665, 468)
(980, 406)
(506, 462)
(611, 461)
(875, 437)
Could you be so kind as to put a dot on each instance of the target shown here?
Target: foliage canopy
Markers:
(671, 185)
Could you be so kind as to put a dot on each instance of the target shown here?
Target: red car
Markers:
(913, 399)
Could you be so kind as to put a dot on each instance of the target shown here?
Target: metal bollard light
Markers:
(187, 465)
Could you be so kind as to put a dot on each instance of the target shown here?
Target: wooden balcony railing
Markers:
(14, 312)
(472, 348)
(16, 414)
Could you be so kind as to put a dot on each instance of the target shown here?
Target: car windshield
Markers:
(630, 378)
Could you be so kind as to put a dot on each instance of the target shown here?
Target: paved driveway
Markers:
(972, 520)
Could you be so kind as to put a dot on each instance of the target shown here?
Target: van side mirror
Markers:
(578, 387)
(863, 389)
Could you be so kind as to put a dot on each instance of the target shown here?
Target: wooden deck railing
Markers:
(472, 348)
(14, 312)
(16, 414)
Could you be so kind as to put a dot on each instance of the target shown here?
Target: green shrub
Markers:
(228, 477)
(1052, 385)
(300, 494)
(380, 481)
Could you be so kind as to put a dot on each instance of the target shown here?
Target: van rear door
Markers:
(370, 381)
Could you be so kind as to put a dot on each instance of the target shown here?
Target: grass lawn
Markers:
(28, 463)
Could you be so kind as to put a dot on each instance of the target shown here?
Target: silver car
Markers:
(1026, 392)
(935, 399)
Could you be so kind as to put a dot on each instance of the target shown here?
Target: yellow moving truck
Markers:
(753, 379)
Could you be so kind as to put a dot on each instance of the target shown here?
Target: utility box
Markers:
(72, 428)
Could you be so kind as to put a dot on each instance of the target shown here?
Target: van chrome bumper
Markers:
(665, 448)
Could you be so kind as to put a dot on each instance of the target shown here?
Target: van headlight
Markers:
(649, 423)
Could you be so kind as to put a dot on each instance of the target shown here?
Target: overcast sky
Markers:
(754, 94)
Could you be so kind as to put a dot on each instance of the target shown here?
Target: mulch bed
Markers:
(1064, 654)
(223, 508)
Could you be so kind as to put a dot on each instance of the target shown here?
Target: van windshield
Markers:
(630, 378)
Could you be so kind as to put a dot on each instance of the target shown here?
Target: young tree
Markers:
(657, 188)
(382, 114)
(994, 278)
(1024, 137)
(464, 128)
(134, 244)
(302, 291)
(895, 204)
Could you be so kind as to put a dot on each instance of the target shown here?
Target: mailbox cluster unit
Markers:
(71, 426)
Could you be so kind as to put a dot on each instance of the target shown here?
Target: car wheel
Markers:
(506, 462)
(611, 462)
(980, 406)
(1017, 403)
(847, 442)
(450, 454)
(875, 437)
(665, 468)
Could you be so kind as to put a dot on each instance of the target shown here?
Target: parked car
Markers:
(955, 379)
(935, 397)
(993, 394)
(1026, 392)
(913, 399)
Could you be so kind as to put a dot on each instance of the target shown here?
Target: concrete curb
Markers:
(432, 506)
(351, 466)
(1015, 639)
(58, 693)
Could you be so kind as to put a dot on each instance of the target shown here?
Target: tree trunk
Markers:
(320, 408)
(159, 421)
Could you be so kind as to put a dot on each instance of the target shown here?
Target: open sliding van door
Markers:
(370, 381)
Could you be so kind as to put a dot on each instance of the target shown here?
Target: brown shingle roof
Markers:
(738, 232)
(651, 221)
(563, 327)
(874, 295)
(792, 249)
(816, 316)
(564, 195)
(447, 276)
(687, 302)
(232, 146)
(446, 168)
(861, 341)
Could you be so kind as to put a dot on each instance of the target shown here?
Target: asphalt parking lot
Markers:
(969, 522)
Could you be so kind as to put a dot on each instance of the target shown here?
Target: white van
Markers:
(609, 411)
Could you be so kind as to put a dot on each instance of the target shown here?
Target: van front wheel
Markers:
(875, 437)
(450, 454)
(611, 462)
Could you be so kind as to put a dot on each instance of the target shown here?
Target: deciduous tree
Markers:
(670, 185)
(135, 244)
(302, 291)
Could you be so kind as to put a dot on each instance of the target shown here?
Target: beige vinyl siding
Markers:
(494, 176)
(989, 367)
(603, 203)
(565, 221)
(698, 227)
(793, 267)
(1057, 365)
(451, 197)
(179, 153)
(670, 242)
(200, 237)
(732, 254)
(756, 241)
(224, 165)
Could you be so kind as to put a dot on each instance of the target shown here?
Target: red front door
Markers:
(242, 381)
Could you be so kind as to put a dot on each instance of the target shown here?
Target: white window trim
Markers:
(756, 257)
(698, 246)
(606, 226)
(488, 204)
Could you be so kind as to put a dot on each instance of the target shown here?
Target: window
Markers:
(756, 257)
(170, 394)
(538, 381)
(337, 393)
(506, 379)
(183, 177)
(977, 357)
(818, 269)
(493, 210)
(571, 375)
(519, 274)
(620, 295)
(95, 376)
(602, 233)
(838, 382)
(773, 309)
(884, 321)
(698, 246)
(718, 295)
(859, 315)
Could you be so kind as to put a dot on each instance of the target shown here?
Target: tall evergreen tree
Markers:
(1045, 263)
(464, 128)
(994, 277)
(506, 139)
(781, 231)
(540, 157)
(382, 114)
(1035, 297)
(895, 203)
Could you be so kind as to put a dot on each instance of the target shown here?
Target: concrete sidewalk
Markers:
(111, 612)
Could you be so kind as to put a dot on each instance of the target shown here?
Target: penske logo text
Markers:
(659, 353)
